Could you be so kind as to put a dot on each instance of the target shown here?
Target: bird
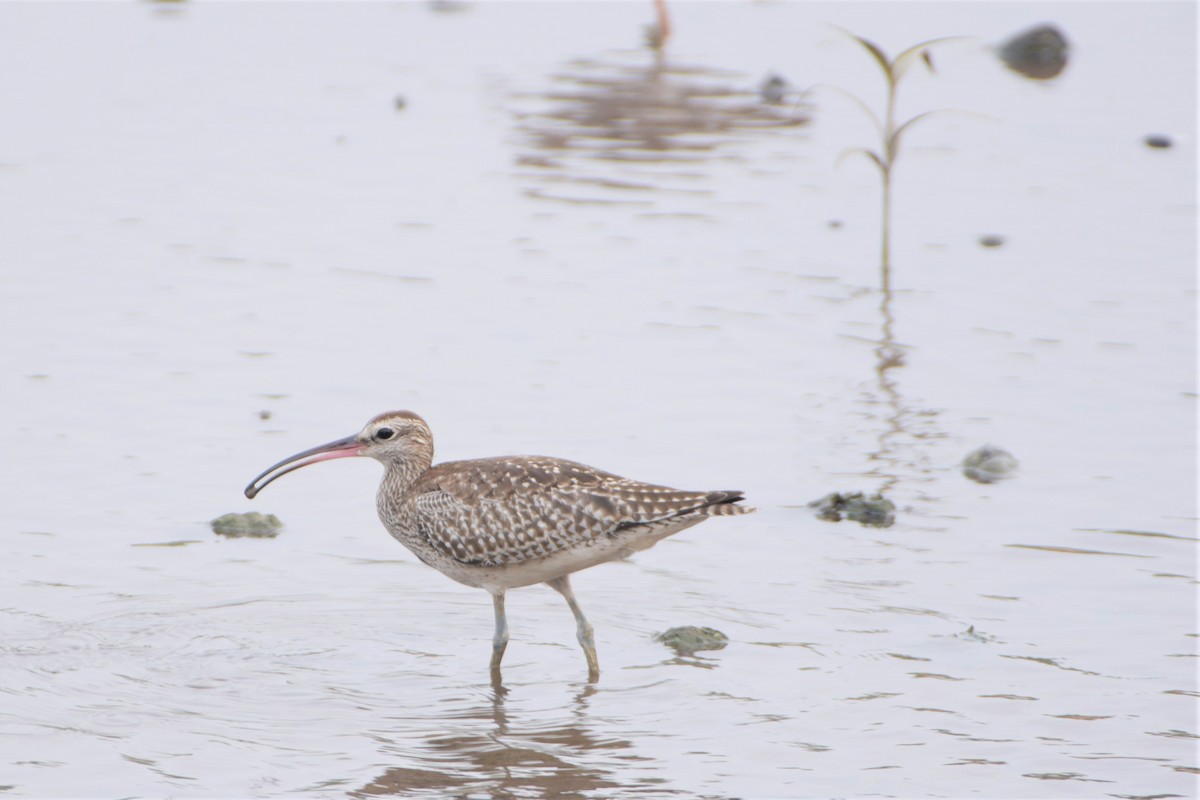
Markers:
(511, 521)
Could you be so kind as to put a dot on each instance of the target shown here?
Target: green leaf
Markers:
(871, 154)
(875, 50)
(878, 53)
(920, 51)
(894, 144)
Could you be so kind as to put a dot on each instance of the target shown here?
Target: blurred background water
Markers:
(232, 231)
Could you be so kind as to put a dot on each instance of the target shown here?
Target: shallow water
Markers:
(226, 240)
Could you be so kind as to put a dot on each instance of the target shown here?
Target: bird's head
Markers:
(398, 439)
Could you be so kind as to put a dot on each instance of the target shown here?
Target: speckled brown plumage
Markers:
(507, 511)
(501, 523)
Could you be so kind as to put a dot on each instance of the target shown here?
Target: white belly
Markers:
(539, 570)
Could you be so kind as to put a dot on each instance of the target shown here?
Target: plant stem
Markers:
(889, 153)
(887, 228)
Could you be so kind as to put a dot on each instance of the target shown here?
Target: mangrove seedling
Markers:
(890, 133)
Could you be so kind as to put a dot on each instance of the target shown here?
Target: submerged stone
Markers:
(688, 639)
(253, 524)
(1039, 53)
(872, 510)
(989, 464)
(773, 89)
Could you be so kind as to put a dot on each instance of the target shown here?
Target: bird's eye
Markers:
(384, 433)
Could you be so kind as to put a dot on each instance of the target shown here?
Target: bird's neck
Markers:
(400, 475)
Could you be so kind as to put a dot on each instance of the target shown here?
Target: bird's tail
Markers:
(723, 504)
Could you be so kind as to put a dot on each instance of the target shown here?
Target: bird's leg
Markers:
(500, 639)
(562, 585)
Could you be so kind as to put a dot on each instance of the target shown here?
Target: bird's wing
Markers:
(508, 510)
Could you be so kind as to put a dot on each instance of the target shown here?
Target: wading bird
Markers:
(501, 523)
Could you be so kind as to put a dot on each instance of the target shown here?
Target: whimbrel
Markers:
(501, 523)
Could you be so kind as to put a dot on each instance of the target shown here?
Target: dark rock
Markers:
(874, 511)
(688, 639)
(989, 464)
(1158, 140)
(1039, 53)
(991, 240)
(773, 89)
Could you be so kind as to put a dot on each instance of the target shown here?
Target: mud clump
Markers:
(1039, 53)
(873, 510)
(989, 464)
(774, 89)
(688, 639)
(252, 525)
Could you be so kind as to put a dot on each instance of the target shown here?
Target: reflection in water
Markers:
(903, 426)
(640, 126)
(506, 760)
(658, 33)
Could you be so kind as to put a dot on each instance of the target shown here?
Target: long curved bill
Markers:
(342, 448)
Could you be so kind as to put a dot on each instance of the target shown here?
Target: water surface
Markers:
(232, 232)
